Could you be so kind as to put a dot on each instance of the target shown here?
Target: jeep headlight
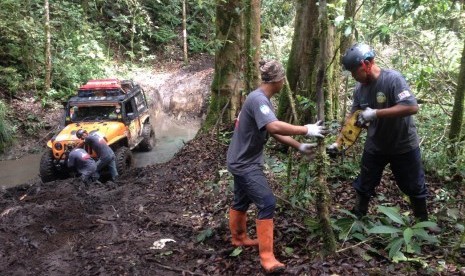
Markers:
(58, 146)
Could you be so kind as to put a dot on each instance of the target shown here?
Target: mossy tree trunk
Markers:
(228, 80)
(328, 54)
(457, 111)
(302, 59)
(322, 191)
(236, 60)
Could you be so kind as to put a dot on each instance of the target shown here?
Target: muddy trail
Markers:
(63, 228)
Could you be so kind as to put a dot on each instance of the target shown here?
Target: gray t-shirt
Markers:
(99, 145)
(81, 161)
(245, 152)
(388, 135)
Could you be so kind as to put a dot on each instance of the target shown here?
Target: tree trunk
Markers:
(252, 44)
(346, 40)
(347, 34)
(322, 191)
(184, 30)
(457, 111)
(228, 84)
(302, 58)
(48, 55)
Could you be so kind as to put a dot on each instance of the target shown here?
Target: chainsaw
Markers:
(348, 135)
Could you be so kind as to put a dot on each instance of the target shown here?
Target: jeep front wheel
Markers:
(124, 160)
(47, 170)
(148, 136)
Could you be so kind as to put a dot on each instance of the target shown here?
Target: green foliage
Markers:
(86, 35)
(401, 236)
(6, 130)
(432, 130)
(10, 79)
(278, 12)
(32, 125)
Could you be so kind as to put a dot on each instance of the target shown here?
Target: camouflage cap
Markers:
(271, 71)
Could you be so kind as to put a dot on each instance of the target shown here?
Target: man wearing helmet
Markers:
(106, 156)
(388, 105)
(245, 161)
(80, 161)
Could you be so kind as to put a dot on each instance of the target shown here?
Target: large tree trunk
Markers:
(48, 55)
(457, 111)
(239, 53)
(228, 84)
(302, 58)
(252, 44)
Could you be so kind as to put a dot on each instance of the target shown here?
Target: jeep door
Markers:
(133, 122)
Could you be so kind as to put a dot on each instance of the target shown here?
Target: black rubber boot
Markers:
(421, 213)
(361, 205)
(419, 208)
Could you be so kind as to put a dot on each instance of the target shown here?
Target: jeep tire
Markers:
(148, 136)
(124, 160)
(47, 170)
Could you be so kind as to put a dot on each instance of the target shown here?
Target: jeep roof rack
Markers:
(105, 87)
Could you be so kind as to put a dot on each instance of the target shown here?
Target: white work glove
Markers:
(307, 148)
(316, 129)
(369, 114)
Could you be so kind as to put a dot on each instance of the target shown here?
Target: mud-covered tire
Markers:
(124, 160)
(148, 140)
(47, 170)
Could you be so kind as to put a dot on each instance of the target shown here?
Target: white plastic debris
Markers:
(161, 243)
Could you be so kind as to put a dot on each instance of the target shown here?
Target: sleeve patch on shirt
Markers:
(265, 109)
(404, 94)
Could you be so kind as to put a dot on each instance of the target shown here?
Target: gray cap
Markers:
(271, 71)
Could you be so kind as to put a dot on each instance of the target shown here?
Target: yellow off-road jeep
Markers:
(116, 110)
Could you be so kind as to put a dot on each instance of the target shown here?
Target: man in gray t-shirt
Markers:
(80, 161)
(245, 161)
(388, 105)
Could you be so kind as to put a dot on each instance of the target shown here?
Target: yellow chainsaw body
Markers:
(349, 132)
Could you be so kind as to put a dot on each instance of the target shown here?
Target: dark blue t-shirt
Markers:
(245, 152)
(388, 135)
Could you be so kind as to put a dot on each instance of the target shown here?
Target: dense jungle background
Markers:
(49, 48)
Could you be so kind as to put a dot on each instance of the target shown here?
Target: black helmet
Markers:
(80, 133)
(355, 54)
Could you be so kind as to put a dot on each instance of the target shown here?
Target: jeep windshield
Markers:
(94, 113)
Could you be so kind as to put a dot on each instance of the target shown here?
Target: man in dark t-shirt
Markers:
(106, 156)
(80, 161)
(245, 161)
(388, 105)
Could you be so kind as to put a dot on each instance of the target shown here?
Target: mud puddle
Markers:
(19, 171)
(170, 137)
